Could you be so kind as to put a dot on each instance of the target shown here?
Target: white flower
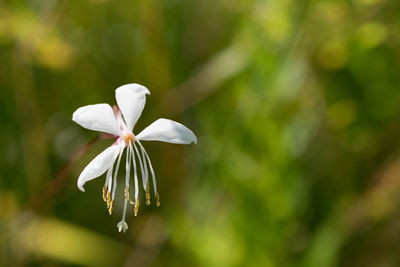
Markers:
(131, 99)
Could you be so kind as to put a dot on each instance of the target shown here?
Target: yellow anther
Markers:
(104, 194)
(148, 194)
(126, 192)
(128, 197)
(108, 199)
(110, 209)
(136, 209)
(158, 199)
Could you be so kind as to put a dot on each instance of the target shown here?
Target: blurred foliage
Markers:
(296, 105)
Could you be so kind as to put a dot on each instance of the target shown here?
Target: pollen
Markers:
(157, 199)
(136, 209)
(147, 194)
(129, 138)
(104, 194)
(108, 196)
(127, 196)
(110, 209)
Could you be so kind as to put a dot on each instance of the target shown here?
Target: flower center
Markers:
(129, 137)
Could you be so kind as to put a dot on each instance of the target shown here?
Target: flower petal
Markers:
(99, 165)
(167, 131)
(131, 99)
(99, 117)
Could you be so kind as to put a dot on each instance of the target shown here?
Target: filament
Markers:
(135, 174)
(116, 173)
(144, 177)
(150, 166)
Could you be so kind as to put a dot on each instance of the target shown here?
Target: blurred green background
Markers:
(295, 103)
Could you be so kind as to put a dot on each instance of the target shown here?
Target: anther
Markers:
(127, 196)
(111, 207)
(158, 199)
(136, 209)
(147, 194)
(104, 194)
(108, 199)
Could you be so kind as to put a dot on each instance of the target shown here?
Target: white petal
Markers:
(98, 165)
(167, 131)
(99, 117)
(131, 99)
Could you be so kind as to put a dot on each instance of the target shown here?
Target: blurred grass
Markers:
(295, 105)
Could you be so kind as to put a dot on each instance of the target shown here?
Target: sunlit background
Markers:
(295, 103)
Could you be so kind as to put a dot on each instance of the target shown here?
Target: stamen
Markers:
(108, 182)
(158, 199)
(104, 193)
(148, 194)
(127, 196)
(128, 165)
(136, 207)
(109, 178)
(150, 166)
(110, 209)
(108, 199)
(107, 186)
(146, 174)
(116, 173)
(142, 169)
(135, 173)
